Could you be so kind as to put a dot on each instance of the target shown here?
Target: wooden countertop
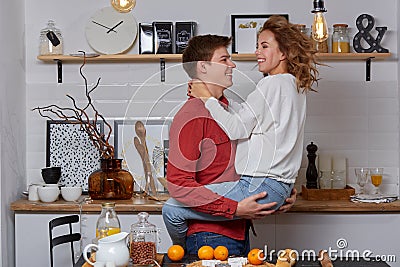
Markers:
(153, 206)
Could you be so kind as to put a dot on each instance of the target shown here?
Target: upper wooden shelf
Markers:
(178, 57)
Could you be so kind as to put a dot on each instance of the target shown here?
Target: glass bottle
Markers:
(143, 240)
(340, 39)
(51, 42)
(108, 222)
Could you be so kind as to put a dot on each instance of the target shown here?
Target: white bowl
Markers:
(48, 193)
(71, 193)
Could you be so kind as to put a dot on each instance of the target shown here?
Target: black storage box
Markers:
(162, 38)
(183, 32)
(146, 38)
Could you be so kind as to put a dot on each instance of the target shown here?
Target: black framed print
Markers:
(69, 147)
(244, 30)
(156, 138)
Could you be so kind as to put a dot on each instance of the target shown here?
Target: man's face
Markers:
(218, 72)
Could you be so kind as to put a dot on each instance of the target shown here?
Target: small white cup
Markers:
(71, 193)
(33, 192)
(48, 193)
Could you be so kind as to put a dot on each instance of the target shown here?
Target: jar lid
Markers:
(108, 204)
(143, 223)
(300, 26)
(340, 25)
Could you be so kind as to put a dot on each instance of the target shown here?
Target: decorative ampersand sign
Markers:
(364, 33)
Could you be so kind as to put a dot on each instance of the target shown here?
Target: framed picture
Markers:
(69, 147)
(156, 138)
(244, 30)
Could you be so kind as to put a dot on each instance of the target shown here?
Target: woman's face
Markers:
(270, 59)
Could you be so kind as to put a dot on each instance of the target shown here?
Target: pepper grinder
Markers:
(311, 173)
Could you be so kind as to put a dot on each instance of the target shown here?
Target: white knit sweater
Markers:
(269, 126)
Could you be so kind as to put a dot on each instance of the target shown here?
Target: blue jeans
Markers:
(235, 247)
(176, 214)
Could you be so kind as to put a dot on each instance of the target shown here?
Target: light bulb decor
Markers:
(319, 28)
(123, 5)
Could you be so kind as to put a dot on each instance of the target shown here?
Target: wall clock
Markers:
(111, 32)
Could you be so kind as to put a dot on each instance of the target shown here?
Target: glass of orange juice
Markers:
(376, 178)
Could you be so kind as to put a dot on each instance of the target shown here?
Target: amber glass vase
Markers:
(110, 181)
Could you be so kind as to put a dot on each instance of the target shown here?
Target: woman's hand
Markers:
(289, 202)
(198, 89)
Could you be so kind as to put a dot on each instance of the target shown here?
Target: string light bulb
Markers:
(123, 5)
(319, 28)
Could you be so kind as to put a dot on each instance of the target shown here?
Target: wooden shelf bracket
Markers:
(59, 70)
(162, 69)
(368, 69)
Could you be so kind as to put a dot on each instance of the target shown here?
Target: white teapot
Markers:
(112, 248)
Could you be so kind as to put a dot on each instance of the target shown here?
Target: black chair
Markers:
(67, 238)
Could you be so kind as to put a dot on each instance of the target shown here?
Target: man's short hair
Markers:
(202, 48)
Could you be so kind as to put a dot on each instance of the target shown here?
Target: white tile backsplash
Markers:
(358, 120)
(344, 118)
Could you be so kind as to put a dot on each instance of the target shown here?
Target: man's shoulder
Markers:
(193, 108)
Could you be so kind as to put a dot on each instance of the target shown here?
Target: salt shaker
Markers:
(51, 42)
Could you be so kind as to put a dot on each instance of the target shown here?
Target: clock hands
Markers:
(112, 29)
(109, 29)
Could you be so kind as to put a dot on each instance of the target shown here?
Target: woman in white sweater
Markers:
(269, 125)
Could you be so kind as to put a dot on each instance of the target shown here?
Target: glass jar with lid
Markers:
(108, 222)
(340, 39)
(143, 240)
(51, 42)
(302, 28)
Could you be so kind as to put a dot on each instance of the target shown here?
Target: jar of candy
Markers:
(51, 42)
(340, 39)
(143, 240)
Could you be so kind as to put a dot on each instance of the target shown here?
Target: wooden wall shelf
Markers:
(178, 57)
(162, 58)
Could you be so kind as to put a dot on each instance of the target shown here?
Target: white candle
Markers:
(325, 163)
(339, 164)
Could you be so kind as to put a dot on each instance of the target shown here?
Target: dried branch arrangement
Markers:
(80, 115)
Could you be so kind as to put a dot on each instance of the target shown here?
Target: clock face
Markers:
(111, 32)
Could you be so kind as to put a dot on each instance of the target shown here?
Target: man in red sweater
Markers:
(201, 153)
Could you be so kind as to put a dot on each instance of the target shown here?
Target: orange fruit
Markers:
(255, 256)
(221, 253)
(175, 252)
(205, 253)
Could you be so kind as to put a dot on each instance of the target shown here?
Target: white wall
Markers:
(12, 122)
(347, 117)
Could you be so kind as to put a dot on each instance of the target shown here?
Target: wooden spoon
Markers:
(141, 133)
(140, 130)
(141, 150)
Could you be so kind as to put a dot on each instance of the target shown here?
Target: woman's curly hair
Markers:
(298, 49)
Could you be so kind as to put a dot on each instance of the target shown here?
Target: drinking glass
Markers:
(376, 178)
(362, 177)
